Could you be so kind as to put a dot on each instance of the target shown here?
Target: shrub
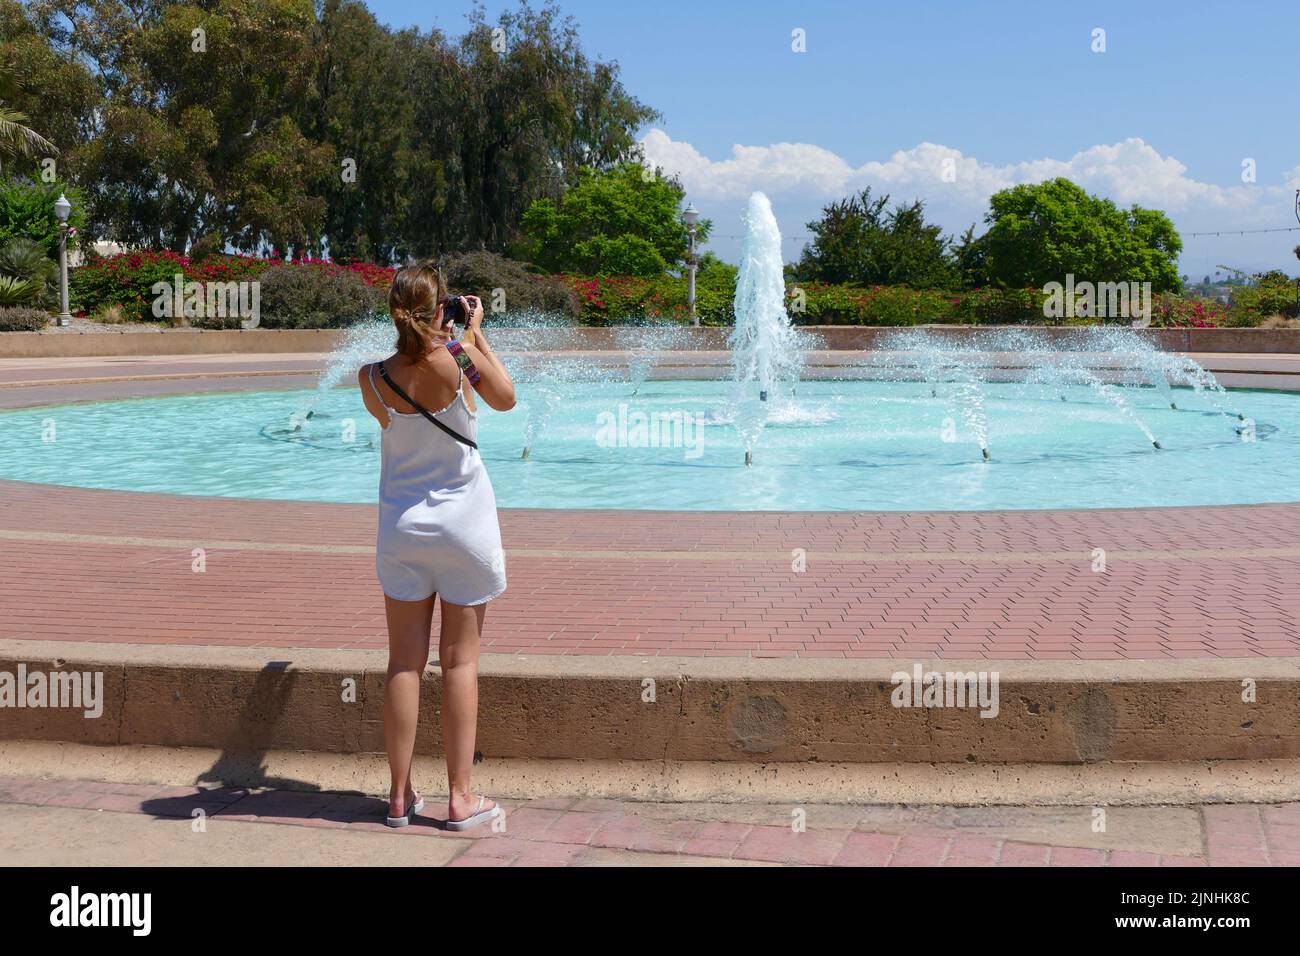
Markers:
(612, 300)
(1275, 295)
(312, 297)
(826, 304)
(127, 280)
(110, 315)
(481, 273)
(26, 259)
(22, 319)
(124, 280)
(1186, 312)
(377, 277)
(16, 291)
(991, 305)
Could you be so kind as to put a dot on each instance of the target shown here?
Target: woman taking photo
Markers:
(438, 532)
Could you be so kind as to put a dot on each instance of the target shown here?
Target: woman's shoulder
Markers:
(391, 362)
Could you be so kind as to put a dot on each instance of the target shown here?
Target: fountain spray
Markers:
(764, 349)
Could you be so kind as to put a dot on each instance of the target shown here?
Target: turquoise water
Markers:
(841, 446)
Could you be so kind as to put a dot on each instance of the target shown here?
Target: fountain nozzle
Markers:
(986, 453)
(762, 396)
(524, 456)
(1157, 444)
(749, 457)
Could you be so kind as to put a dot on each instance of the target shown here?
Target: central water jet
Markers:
(765, 353)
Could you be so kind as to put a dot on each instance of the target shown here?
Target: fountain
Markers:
(1037, 395)
(1114, 366)
(765, 351)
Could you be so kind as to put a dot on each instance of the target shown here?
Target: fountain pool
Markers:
(1005, 419)
(677, 445)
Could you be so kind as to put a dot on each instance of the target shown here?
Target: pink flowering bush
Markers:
(127, 280)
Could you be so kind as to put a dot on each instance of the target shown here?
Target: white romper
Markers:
(438, 531)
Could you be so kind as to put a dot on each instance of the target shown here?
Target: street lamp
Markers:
(691, 217)
(63, 209)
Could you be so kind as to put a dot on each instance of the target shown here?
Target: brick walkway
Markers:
(582, 832)
(87, 565)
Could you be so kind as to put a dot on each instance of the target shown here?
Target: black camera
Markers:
(455, 310)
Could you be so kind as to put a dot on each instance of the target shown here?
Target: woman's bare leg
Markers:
(408, 653)
(458, 645)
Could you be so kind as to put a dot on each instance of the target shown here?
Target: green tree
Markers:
(1040, 233)
(39, 90)
(624, 221)
(196, 105)
(307, 126)
(857, 241)
(970, 254)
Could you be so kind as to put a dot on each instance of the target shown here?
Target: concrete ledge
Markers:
(1100, 784)
(833, 337)
(675, 709)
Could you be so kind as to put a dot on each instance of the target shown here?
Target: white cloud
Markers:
(796, 167)
(1128, 172)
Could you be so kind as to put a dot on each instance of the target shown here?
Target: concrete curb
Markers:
(745, 711)
(666, 781)
(835, 337)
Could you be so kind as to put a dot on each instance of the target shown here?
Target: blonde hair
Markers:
(413, 302)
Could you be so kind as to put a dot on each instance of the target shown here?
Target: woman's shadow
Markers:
(238, 787)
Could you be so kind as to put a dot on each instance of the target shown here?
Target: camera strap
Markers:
(464, 361)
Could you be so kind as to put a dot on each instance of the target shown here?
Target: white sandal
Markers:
(411, 811)
(478, 816)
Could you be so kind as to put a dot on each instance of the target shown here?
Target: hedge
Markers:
(315, 293)
(127, 280)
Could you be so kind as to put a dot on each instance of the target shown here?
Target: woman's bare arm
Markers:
(494, 382)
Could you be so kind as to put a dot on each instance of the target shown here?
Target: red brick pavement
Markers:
(559, 832)
(86, 565)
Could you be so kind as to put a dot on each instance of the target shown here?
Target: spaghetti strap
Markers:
(420, 409)
(370, 373)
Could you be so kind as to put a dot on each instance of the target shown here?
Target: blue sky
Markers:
(1005, 92)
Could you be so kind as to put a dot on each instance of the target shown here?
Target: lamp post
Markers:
(63, 209)
(691, 217)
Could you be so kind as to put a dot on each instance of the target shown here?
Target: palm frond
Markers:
(18, 139)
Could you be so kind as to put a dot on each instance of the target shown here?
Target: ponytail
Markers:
(413, 302)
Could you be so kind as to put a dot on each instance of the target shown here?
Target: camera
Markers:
(455, 310)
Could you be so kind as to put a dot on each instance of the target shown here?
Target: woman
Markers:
(438, 532)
